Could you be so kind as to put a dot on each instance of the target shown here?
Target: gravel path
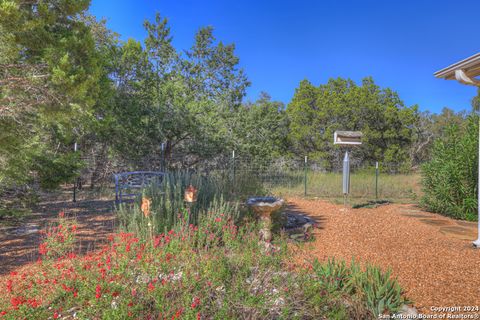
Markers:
(431, 255)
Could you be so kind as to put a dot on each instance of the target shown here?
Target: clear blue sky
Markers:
(400, 43)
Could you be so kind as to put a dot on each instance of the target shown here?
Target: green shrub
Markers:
(450, 178)
(54, 170)
(372, 290)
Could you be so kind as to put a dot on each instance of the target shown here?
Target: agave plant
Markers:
(381, 292)
(378, 290)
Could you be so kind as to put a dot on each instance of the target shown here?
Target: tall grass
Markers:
(399, 187)
(168, 206)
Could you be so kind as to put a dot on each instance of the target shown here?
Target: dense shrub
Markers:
(450, 178)
(53, 170)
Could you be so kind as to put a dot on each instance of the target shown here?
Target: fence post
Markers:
(305, 177)
(233, 171)
(376, 180)
(76, 178)
(162, 158)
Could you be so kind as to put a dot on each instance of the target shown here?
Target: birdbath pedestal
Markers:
(264, 207)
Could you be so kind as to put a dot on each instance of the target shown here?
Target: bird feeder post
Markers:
(347, 138)
(346, 178)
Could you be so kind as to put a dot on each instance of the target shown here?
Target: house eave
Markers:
(470, 66)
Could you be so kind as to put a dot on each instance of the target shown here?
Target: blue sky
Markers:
(400, 43)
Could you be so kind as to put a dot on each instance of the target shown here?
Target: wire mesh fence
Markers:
(247, 175)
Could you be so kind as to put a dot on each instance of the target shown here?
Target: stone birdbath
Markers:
(264, 207)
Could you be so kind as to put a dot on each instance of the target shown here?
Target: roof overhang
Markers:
(464, 71)
(347, 137)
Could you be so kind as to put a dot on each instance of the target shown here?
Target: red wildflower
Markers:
(42, 249)
(33, 303)
(151, 286)
(98, 292)
(196, 302)
(157, 241)
(61, 214)
(17, 301)
(9, 285)
(178, 314)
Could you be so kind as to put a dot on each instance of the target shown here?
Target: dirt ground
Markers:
(19, 240)
(431, 255)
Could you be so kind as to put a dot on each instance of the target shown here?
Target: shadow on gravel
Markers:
(296, 211)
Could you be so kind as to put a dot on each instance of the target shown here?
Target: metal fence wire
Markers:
(246, 175)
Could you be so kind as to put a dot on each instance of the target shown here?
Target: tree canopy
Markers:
(66, 78)
(386, 123)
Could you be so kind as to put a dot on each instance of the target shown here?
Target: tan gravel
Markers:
(435, 266)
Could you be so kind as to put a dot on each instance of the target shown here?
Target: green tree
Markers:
(429, 128)
(260, 129)
(49, 78)
(185, 101)
(315, 113)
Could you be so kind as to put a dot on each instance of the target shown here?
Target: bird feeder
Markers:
(347, 138)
